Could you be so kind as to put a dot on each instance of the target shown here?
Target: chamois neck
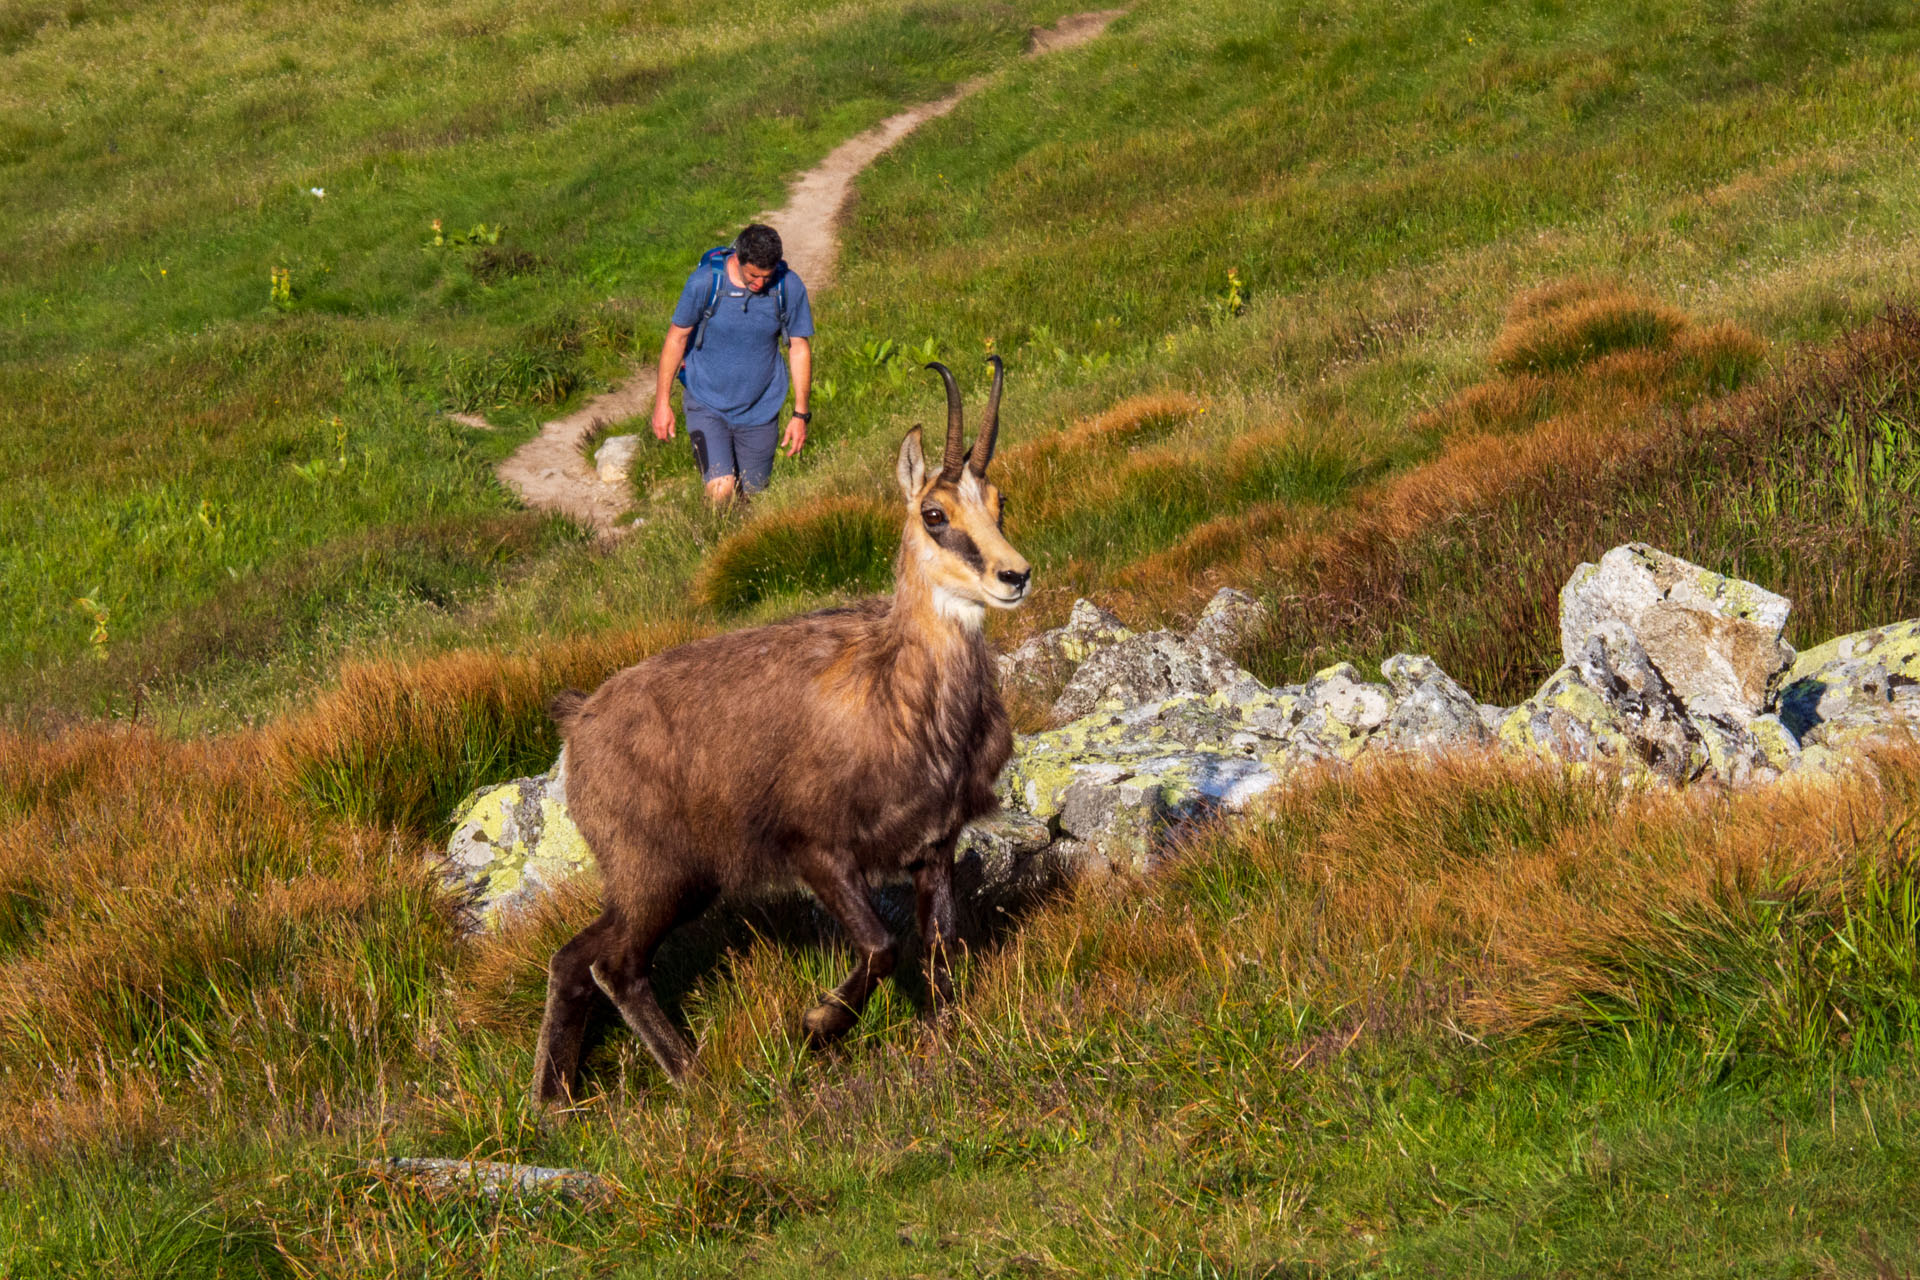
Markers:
(931, 616)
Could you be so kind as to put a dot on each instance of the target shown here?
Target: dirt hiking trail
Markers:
(552, 472)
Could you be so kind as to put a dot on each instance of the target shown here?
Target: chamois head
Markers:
(952, 540)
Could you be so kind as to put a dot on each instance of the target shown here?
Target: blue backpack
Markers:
(716, 260)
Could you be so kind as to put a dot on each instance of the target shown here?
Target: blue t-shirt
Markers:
(738, 371)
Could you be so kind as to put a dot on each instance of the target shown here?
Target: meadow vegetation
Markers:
(1389, 312)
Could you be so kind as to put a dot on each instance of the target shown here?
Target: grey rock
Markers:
(1116, 782)
(1340, 714)
(1230, 619)
(1125, 819)
(1431, 711)
(1610, 706)
(1744, 750)
(1856, 689)
(1149, 668)
(512, 843)
(1715, 639)
(490, 1179)
(614, 457)
(1051, 657)
(999, 848)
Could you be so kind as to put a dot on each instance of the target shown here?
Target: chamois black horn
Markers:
(956, 429)
(983, 447)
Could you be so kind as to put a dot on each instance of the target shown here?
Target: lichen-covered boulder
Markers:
(1144, 669)
(1855, 689)
(997, 855)
(1114, 783)
(1716, 640)
(513, 842)
(1431, 712)
(1340, 714)
(1052, 656)
(1124, 815)
(1610, 707)
(1110, 745)
(1742, 750)
(1230, 619)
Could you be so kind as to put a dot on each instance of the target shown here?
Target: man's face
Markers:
(756, 277)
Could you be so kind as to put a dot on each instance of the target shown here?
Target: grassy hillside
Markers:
(223, 471)
(1389, 311)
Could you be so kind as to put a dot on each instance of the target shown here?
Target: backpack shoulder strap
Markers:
(714, 259)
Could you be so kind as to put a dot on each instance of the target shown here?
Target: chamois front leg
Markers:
(571, 997)
(842, 890)
(933, 905)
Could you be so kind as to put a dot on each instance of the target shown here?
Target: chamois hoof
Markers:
(551, 1095)
(828, 1021)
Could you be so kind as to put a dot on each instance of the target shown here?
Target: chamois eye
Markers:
(934, 517)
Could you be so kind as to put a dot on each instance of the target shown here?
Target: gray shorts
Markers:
(723, 450)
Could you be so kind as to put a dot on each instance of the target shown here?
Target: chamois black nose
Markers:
(1018, 581)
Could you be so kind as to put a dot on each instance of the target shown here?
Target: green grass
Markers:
(171, 429)
(1379, 198)
(1303, 1052)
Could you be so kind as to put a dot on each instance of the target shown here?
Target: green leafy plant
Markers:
(477, 234)
(97, 613)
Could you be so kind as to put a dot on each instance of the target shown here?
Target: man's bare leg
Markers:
(720, 490)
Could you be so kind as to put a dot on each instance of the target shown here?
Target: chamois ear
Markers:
(911, 470)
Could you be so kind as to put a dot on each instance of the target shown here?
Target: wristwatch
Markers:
(804, 417)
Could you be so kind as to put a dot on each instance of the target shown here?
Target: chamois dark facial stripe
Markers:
(956, 541)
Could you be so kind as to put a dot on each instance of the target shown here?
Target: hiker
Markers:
(724, 345)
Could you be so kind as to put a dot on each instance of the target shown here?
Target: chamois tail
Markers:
(564, 707)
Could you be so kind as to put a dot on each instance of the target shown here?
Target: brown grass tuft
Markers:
(1571, 323)
(404, 741)
(1048, 475)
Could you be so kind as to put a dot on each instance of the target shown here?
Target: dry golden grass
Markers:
(1503, 897)
(402, 741)
(172, 915)
(1523, 428)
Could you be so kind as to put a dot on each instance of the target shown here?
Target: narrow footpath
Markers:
(552, 472)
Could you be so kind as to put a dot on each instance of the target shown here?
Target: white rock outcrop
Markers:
(1715, 639)
(1673, 675)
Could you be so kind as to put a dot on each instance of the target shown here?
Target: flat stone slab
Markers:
(490, 1179)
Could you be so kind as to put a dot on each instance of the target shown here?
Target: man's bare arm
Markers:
(800, 360)
(672, 352)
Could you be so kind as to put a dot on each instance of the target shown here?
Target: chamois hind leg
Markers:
(933, 906)
(624, 973)
(843, 892)
(571, 999)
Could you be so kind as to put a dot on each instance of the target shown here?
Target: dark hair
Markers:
(758, 246)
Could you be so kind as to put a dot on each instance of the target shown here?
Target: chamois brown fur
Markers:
(823, 748)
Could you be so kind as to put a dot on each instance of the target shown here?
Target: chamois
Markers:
(821, 748)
